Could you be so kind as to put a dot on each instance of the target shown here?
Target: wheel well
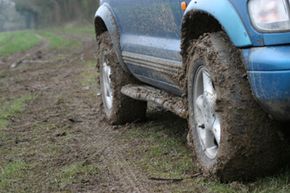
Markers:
(195, 24)
(100, 26)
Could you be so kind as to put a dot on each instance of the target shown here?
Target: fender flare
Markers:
(106, 15)
(230, 20)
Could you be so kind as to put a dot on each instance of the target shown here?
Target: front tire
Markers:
(118, 109)
(232, 137)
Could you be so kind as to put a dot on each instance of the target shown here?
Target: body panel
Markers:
(269, 76)
(151, 28)
(106, 14)
(224, 12)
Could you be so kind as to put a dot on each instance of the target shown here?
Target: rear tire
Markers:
(248, 144)
(119, 109)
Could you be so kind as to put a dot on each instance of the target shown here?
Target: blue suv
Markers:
(224, 65)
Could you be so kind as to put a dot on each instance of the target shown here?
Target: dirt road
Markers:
(61, 137)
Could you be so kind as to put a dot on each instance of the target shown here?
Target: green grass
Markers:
(57, 41)
(163, 153)
(13, 42)
(19, 41)
(11, 174)
(76, 172)
(279, 184)
(79, 30)
(11, 108)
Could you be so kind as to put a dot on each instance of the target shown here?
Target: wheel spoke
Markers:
(207, 84)
(199, 102)
(202, 135)
(209, 141)
(212, 150)
(107, 85)
(208, 90)
(216, 129)
(207, 120)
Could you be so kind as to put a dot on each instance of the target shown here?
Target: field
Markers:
(54, 137)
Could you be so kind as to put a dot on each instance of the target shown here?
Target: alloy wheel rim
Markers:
(207, 120)
(107, 85)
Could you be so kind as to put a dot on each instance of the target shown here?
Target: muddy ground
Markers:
(60, 141)
(62, 130)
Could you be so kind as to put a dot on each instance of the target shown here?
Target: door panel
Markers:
(151, 28)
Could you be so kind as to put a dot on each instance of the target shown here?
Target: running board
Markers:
(177, 105)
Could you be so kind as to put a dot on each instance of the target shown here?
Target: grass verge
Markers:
(13, 42)
(79, 30)
(57, 41)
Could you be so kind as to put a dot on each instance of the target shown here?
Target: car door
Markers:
(150, 39)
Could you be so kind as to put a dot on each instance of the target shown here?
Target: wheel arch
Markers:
(205, 22)
(105, 21)
(202, 17)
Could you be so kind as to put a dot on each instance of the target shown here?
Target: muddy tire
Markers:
(232, 137)
(118, 109)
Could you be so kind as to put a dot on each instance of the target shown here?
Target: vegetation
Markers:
(51, 12)
(30, 14)
(164, 153)
(75, 172)
(9, 109)
(11, 173)
(13, 42)
(57, 41)
(58, 38)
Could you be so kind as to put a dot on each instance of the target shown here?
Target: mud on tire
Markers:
(118, 108)
(250, 143)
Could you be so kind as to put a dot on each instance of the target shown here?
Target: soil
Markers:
(64, 124)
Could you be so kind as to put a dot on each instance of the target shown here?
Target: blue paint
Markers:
(153, 28)
(268, 58)
(107, 15)
(224, 12)
(272, 90)
(269, 76)
(142, 22)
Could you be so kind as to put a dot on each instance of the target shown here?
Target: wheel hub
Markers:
(207, 120)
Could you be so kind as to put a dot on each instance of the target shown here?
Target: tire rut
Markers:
(17, 59)
(111, 152)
